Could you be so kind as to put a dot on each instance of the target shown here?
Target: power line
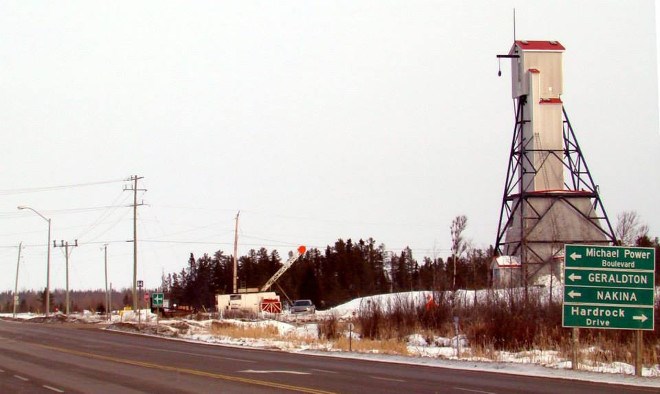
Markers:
(164, 241)
(53, 188)
(304, 218)
(106, 214)
(65, 210)
(111, 226)
(283, 243)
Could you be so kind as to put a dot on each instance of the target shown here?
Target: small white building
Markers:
(506, 271)
(266, 301)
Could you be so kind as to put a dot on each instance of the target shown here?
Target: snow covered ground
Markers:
(300, 334)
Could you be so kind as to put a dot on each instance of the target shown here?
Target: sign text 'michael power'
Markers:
(612, 257)
(615, 253)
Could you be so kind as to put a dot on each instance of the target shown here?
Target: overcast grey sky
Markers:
(318, 120)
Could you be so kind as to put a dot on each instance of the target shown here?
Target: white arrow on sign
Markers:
(576, 256)
(641, 318)
(574, 294)
(574, 277)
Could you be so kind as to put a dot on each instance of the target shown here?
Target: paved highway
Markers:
(81, 358)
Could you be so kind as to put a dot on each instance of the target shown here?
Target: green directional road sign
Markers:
(621, 317)
(608, 278)
(157, 299)
(594, 295)
(609, 287)
(615, 257)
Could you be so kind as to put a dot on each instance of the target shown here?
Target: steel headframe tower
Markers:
(550, 198)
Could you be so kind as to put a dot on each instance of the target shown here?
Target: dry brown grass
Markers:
(244, 331)
(508, 323)
(387, 346)
(484, 350)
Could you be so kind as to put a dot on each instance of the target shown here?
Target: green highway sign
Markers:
(609, 287)
(594, 295)
(157, 299)
(622, 317)
(609, 278)
(615, 257)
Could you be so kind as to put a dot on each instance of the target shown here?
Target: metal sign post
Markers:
(458, 339)
(140, 284)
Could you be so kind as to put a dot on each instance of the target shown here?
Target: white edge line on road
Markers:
(234, 359)
(274, 371)
(52, 389)
(323, 370)
(388, 379)
(21, 378)
(474, 391)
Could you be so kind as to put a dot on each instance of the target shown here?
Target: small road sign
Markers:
(609, 287)
(157, 299)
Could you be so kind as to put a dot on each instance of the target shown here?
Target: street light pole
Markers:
(18, 263)
(48, 273)
(47, 258)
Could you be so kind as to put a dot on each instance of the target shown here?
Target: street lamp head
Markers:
(33, 210)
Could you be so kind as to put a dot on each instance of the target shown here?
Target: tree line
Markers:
(79, 300)
(329, 276)
(349, 269)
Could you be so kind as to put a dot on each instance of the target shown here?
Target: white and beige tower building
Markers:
(549, 197)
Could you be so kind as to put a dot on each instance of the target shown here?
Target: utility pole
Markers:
(236, 254)
(18, 262)
(67, 253)
(107, 297)
(135, 189)
(110, 302)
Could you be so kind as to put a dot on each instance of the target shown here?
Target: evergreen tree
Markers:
(128, 299)
(404, 271)
(334, 293)
(222, 273)
(265, 267)
(42, 299)
(329, 277)
(247, 270)
(188, 285)
(177, 293)
(204, 294)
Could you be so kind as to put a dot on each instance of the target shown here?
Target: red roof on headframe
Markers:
(540, 45)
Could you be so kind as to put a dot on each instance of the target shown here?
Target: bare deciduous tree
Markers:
(629, 228)
(458, 244)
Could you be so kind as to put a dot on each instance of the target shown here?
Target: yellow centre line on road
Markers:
(187, 371)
